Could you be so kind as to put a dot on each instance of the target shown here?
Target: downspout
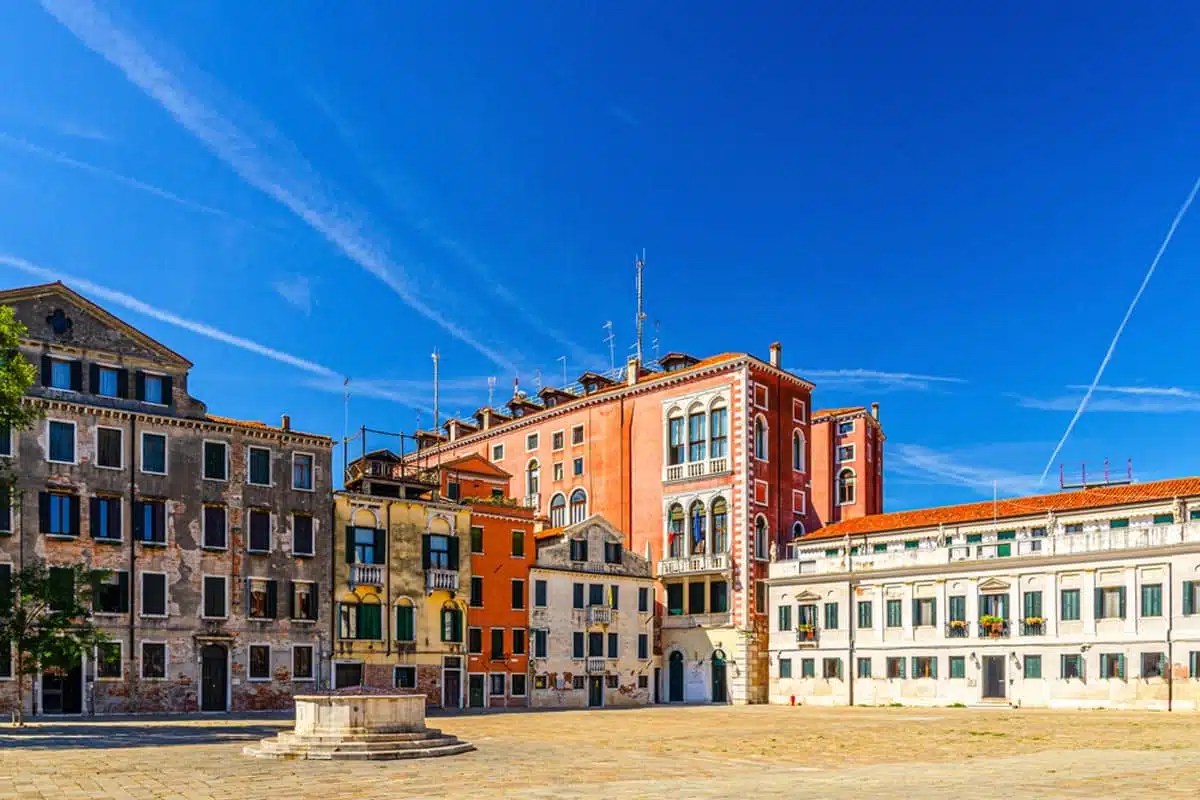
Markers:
(1170, 643)
(134, 656)
(851, 613)
(387, 565)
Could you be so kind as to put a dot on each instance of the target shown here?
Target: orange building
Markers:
(502, 550)
(847, 464)
(704, 462)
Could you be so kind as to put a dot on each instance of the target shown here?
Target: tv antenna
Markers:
(537, 379)
(563, 359)
(491, 390)
(654, 341)
(640, 263)
(612, 353)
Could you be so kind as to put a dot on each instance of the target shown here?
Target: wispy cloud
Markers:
(133, 304)
(957, 468)
(1112, 346)
(287, 178)
(16, 143)
(1120, 399)
(624, 115)
(297, 291)
(875, 378)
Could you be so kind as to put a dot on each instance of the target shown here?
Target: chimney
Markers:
(776, 354)
(487, 418)
(286, 423)
(875, 411)
(633, 370)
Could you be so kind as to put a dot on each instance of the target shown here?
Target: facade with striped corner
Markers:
(1086, 599)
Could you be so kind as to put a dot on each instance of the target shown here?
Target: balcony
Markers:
(595, 666)
(1033, 626)
(958, 629)
(807, 635)
(693, 470)
(720, 619)
(366, 575)
(993, 628)
(599, 615)
(533, 501)
(441, 580)
(694, 565)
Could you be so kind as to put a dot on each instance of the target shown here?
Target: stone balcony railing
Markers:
(599, 615)
(694, 565)
(595, 666)
(693, 470)
(718, 620)
(441, 580)
(366, 575)
(807, 635)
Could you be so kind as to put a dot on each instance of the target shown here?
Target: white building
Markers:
(591, 619)
(1080, 599)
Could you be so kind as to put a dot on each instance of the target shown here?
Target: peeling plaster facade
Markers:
(173, 657)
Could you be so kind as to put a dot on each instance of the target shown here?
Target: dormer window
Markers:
(153, 391)
(579, 550)
(59, 373)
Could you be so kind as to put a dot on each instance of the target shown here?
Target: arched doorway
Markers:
(675, 678)
(719, 693)
(214, 678)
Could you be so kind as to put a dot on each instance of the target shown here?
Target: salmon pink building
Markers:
(847, 464)
(706, 463)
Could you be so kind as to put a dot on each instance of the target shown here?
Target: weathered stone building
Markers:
(400, 581)
(591, 619)
(215, 531)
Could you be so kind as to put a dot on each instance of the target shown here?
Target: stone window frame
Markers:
(491, 677)
(311, 553)
(512, 683)
(74, 440)
(270, 466)
(204, 595)
(312, 661)
(142, 452)
(396, 672)
(166, 594)
(120, 643)
(204, 460)
(166, 660)
(96, 447)
(250, 661)
(312, 471)
(559, 436)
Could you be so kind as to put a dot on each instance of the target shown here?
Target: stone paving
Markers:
(655, 752)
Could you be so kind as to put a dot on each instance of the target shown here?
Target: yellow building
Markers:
(401, 556)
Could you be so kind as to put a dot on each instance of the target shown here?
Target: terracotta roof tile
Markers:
(837, 412)
(262, 426)
(546, 533)
(1101, 497)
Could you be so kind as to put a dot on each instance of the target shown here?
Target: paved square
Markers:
(758, 751)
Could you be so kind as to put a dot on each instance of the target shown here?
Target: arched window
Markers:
(720, 525)
(798, 450)
(532, 477)
(406, 620)
(696, 526)
(760, 438)
(718, 431)
(360, 618)
(675, 531)
(761, 545)
(675, 443)
(846, 486)
(797, 530)
(451, 623)
(578, 506)
(696, 435)
(558, 510)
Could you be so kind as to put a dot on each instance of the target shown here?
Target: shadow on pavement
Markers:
(104, 734)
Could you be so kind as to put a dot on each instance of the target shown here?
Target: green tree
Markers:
(16, 376)
(45, 620)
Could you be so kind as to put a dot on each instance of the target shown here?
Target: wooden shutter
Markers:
(5, 588)
(1099, 603)
(1188, 598)
(453, 552)
(114, 525)
(139, 382)
(380, 546)
(272, 600)
(46, 371)
(933, 615)
(73, 504)
(94, 378)
(291, 600)
(349, 544)
(314, 602)
(166, 388)
(425, 551)
(44, 512)
(77, 376)
(123, 589)
(94, 518)
(123, 383)
(139, 520)
(1121, 596)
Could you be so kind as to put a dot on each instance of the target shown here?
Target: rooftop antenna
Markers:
(516, 386)
(437, 419)
(641, 316)
(612, 353)
(563, 359)
(537, 379)
(654, 341)
(491, 390)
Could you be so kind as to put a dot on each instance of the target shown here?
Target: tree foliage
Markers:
(45, 617)
(16, 375)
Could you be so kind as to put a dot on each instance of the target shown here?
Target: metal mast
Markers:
(641, 316)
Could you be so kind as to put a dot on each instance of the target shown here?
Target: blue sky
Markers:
(946, 210)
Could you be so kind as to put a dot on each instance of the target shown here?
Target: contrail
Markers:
(1121, 329)
(133, 183)
(302, 195)
(133, 304)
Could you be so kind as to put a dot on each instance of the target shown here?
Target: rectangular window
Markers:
(1110, 602)
(518, 684)
(785, 668)
(259, 469)
(674, 599)
(498, 684)
(260, 662)
(260, 530)
(644, 600)
(452, 490)
(304, 600)
(1033, 667)
(785, 618)
(613, 648)
(107, 383)
(154, 660)
(531, 442)
(106, 518)
(476, 539)
(696, 436)
(476, 600)
(831, 668)
(302, 472)
(539, 594)
(451, 625)
(1164, 519)
(895, 667)
(61, 588)
(154, 453)
(924, 667)
(696, 598)
(958, 608)
(540, 644)
(62, 375)
(595, 645)
(958, 666)
(1152, 600)
(1112, 665)
(643, 646)
(1031, 604)
(518, 543)
(111, 595)
(216, 461)
(62, 442)
(59, 514)
(108, 661)
(760, 597)
(579, 550)
(1069, 611)
(577, 434)
(261, 598)
(214, 597)
(302, 535)
(153, 390)
(577, 644)
(475, 641)
(864, 614)
(215, 527)
(808, 668)
(924, 612)
(577, 595)
(845, 428)
(1153, 664)
(404, 676)
(831, 616)
(1071, 666)
(150, 521)
(518, 641)
(1191, 597)
(845, 453)
(613, 553)
(518, 594)
(110, 448)
(5, 441)
(497, 452)
(556, 440)
(1073, 527)
(578, 682)
(154, 594)
(596, 594)
(718, 435)
(558, 471)
(439, 552)
(864, 667)
(894, 614)
(497, 651)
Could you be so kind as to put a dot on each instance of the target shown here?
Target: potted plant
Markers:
(958, 624)
(992, 624)
(1031, 621)
(805, 631)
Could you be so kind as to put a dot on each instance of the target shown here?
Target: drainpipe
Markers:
(1170, 644)
(850, 612)
(134, 656)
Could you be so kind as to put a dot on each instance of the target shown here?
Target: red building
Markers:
(847, 464)
(502, 551)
